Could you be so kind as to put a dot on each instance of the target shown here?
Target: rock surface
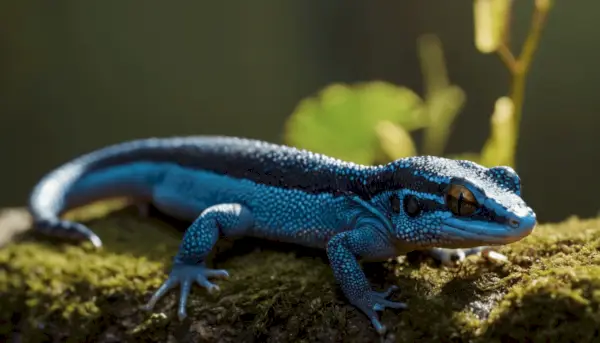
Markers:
(548, 291)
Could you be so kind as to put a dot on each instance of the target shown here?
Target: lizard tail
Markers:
(48, 200)
(95, 176)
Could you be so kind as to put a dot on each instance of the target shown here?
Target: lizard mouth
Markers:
(471, 232)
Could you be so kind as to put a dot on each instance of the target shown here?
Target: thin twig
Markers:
(519, 67)
(524, 62)
(504, 51)
(533, 37)
(508, 58)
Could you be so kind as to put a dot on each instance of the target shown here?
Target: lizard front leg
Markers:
(343, 250)
(197, 243)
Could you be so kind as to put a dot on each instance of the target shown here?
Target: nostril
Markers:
(513, 222)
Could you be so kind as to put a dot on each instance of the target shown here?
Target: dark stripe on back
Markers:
(264, 163)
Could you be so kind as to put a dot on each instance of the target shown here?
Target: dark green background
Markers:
(77, 75)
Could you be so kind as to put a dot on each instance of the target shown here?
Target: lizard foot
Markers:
(373, 301)
(186, 275)
(452, 257)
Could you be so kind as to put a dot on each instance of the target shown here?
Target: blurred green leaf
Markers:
(395, 140)
(443, 101)
(442, 108)
(341, 120)
(499, 148)
(490, 18)
(433, 66)
(543, 5)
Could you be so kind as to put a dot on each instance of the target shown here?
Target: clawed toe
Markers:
(186, 275)
(374, 302)
(162, 290)
(203, 281)
(380, 328)
(388, 291)
(383, 303)
(218, 273)
(380, 303)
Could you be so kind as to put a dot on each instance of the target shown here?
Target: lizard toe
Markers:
(388, 291)
(380, 302)
(373, 301)
(374, 318)
(186, 275)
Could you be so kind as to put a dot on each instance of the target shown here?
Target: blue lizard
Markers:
(228, 186)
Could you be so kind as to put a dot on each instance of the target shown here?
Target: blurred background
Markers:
(75, 76)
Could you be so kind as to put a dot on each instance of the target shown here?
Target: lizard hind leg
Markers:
(198, 241)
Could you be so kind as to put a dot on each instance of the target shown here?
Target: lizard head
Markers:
(432, 201)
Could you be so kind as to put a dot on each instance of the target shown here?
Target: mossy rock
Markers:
(548, 291)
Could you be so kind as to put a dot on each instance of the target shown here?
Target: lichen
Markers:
(549, 290)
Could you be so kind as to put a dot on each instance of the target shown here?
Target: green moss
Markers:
(49, 290)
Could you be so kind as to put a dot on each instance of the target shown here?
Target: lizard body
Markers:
(227, 186)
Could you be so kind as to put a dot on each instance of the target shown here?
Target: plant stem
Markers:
(519, 67)
(507, 57)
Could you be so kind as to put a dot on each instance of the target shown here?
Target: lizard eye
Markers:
(461, 201)
(412, 206)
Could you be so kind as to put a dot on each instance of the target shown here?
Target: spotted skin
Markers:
(343, 251)
(234, 187)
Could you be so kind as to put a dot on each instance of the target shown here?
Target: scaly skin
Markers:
(239, 187)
